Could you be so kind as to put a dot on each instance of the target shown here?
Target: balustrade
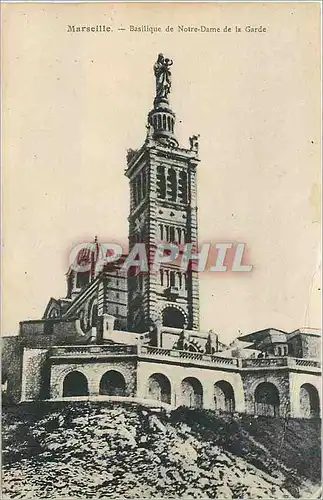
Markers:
(151, 351)
(307, 362)
(93, 349)
(189, 355)
(260, 362)
(279, 362)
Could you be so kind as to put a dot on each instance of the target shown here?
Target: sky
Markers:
(73, 103)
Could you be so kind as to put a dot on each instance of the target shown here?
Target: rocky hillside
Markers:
(96, 450)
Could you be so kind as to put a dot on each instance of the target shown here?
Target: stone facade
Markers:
(277, 380)
(93, 371)
(305, 343)
(34, 378)
(310, 406)
(159, 215)
(253, 386)
(177, 373)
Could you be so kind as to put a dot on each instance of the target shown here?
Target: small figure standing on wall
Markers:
(194, 142)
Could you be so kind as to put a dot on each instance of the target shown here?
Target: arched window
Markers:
(94, 315)
(54, 313)
(82, 322)
(173, 317)
(70, 282)
(171, 185)
(161, 232)
(112, 384)
(159, 122)
(144, 183)
(309, 401)
(139, 187)
(172, 278)
(134, 192)
(182, 186)
(224, 396)
(159, 388)
(267, 400)
(192, 393)
(82, 279)
(169, 124)
(164, 122)
(75, 384)
(161, 183)
(172, 234)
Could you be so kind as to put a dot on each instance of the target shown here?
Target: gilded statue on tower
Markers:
(163, 76)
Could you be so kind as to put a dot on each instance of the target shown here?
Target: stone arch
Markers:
(224, 399)
(309, 401)
(75, 383)
(159, 388)
(173, 316)
(112, 383)
(192, 392)
(267, 401)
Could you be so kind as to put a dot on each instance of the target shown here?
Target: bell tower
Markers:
(163, 208)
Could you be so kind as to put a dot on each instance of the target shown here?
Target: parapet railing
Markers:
(149, 351)
(74, 350)
(306, 362)
(194, 356)
(262, 362)
(277, 362)
(213, 360)
(174, 354)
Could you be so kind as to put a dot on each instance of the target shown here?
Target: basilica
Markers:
(120, 335)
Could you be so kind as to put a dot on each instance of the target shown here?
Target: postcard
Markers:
(161, 272)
